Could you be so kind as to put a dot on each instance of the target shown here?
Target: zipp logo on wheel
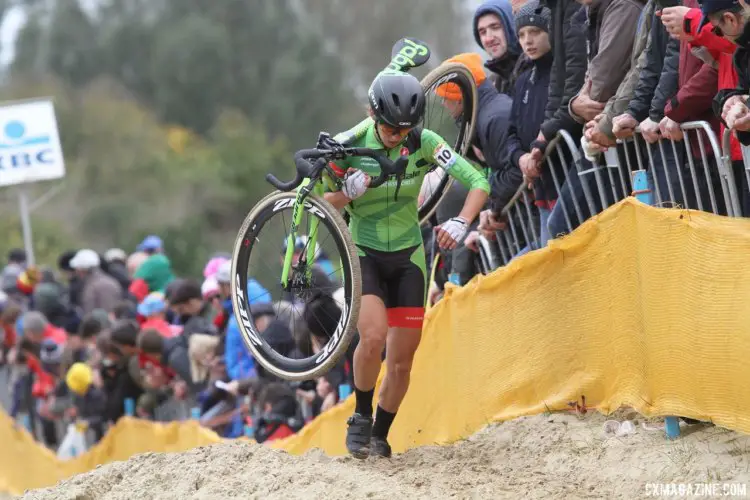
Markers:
(289, 203)
(242, 312)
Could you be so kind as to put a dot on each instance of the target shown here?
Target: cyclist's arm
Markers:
(436, 150)
(333, 195)
(337, 199)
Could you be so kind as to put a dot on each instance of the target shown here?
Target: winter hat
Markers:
(154, 303)
(212, 266)
(533, 14)
(79, 378)
(224, 273)
(471, 60)
(210, 287)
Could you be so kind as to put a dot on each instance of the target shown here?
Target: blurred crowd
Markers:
(102, 336)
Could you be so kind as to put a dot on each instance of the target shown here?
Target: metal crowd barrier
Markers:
(680, 178)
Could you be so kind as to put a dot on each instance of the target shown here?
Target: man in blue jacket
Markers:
(239, 362)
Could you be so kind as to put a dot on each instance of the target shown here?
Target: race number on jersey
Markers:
(444, 156)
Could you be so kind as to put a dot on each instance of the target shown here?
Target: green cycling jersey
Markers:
(382, 219)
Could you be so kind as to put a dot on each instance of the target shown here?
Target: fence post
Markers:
(642, 187)
(643, 193)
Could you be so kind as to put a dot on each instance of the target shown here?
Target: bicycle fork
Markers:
(312, 236)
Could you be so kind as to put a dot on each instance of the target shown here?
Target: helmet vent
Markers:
(396, 99)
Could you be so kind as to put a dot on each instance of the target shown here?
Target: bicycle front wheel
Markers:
(298, 331)
(455, 126)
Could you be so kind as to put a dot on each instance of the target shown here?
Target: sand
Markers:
(558, 456)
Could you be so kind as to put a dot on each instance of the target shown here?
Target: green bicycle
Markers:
(303, 274)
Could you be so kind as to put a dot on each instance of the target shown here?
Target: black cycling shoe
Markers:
(380, 447)
(358, 435)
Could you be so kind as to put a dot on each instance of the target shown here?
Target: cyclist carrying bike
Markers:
(384, 224)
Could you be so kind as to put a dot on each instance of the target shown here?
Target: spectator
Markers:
(49, 298)
(611, 27)
(9, 316)
(124, 336)
(194, 314)
(656, 84)
(116, 266)
(223, 278)
(153, 275)
(611, 32)
(493, 114)
(151, 245)
(154, 310)
(280, 414)
(123, 310)
(75, 283)
(495, 33)
(89, 401)
(36, 328)
(100, 291)
(695, 85)
(173, 353)
(12, 270)
(568, 40)
(120, 372)
(134, 262)
(527, 114)
(599, 130)
(731, 104)
(690, 24)
(239, 362)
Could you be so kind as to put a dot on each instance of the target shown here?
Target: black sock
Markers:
(383, 421)
(364, 402)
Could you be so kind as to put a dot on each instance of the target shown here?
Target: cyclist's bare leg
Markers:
(373, 331)
(401, 345)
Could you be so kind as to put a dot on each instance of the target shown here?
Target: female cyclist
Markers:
(385, 227)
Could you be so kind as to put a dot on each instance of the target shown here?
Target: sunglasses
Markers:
(389, 130)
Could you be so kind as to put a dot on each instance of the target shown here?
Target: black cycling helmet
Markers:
(397, 99)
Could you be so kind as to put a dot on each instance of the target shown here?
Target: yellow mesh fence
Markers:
(640, 306)
(25, 464)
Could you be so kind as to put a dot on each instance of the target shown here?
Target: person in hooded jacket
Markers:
(494, 31)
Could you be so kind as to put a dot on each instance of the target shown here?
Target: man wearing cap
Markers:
(150, 245)
(694, 25)
(100, 290)
(116, 266)
(731, 104)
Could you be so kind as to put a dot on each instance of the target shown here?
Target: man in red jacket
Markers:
(693, 25)
(696, 85)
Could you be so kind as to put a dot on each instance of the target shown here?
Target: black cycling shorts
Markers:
(399, 279)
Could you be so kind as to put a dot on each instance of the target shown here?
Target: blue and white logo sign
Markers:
(30, 148)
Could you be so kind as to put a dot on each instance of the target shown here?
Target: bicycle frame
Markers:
(312, 238)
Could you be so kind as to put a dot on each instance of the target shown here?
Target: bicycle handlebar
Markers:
(306, 169)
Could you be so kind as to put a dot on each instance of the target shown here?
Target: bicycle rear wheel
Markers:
(289, 338)
(459, 132)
